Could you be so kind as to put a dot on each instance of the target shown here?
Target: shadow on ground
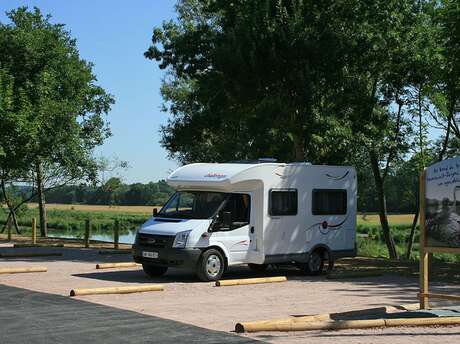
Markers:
(32, 317)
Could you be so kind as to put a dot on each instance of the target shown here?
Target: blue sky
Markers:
(113, 34)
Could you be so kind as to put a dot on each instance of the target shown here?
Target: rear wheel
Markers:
(258, 267)
(211, 266)
(154, 270)
(315, 264)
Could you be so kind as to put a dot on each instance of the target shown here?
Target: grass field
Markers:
(393, 219)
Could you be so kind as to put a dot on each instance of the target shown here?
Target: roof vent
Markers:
(267, 160)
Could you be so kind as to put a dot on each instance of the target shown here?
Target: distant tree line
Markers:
(113, 192)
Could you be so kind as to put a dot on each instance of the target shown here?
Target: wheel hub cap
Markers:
(213, 265)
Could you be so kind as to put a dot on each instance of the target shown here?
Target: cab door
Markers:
(235, 235)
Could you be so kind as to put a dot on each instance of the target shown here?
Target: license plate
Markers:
(148, 254)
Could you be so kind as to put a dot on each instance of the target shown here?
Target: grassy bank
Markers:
(71, 218)
(372, 244)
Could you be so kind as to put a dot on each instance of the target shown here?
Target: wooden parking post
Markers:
(34, 230)
(116, 235)
(8, 228)
(424, 264)
(87, 232)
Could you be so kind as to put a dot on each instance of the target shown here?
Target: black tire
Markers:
(211, 266)
(315, 264)
(258, 267)
(154, 270)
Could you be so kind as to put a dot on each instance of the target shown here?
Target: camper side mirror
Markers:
(155, 212)
(227, 220)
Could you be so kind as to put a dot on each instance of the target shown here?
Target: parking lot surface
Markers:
(200, 306)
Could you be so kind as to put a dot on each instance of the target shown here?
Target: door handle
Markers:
(252, 229)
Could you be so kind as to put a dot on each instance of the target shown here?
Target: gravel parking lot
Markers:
(187, 301)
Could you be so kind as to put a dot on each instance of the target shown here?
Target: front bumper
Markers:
(168, 256)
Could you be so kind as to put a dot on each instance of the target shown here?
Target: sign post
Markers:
(424, 271)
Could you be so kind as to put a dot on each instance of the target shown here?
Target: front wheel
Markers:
(154, 270)
(211, 266)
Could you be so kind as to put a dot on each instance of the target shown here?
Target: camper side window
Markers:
(329, 202)
(283, 202)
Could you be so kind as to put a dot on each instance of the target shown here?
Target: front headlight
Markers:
(181, 239)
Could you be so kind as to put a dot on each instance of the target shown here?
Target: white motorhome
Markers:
(251, 213)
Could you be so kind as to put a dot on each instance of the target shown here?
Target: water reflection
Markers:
(126, 236)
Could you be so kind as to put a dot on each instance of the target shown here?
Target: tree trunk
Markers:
(410, 241)
(382, 206)
(440, 157)
(299, 147)
(12, 213)
(446, 139)
(41, 201)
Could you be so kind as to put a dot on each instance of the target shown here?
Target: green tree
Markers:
(445, 94)
(393, 40)
(437, 83)
(253, 78)
(65, 107)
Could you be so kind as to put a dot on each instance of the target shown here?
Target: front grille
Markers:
(155, 241)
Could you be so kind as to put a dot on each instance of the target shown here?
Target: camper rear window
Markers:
(283, 202)
(329, 202)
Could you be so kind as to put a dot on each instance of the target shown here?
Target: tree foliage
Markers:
(52, 111)
(249, 79)
(56, 89)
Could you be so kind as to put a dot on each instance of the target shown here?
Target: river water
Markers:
(127, 237)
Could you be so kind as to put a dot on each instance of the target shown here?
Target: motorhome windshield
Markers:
(193, 204)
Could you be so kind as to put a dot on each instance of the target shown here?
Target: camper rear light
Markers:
(181, 239)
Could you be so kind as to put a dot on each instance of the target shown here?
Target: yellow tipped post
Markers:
(87, 232)
(8, 228)
(116, 290)
(116, 235)
(245, 281)
(276, 324)
(116, 265)
(34, 230)
(347, 324)
(22, 270)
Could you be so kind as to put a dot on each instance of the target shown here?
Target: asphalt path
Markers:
(32, 317)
